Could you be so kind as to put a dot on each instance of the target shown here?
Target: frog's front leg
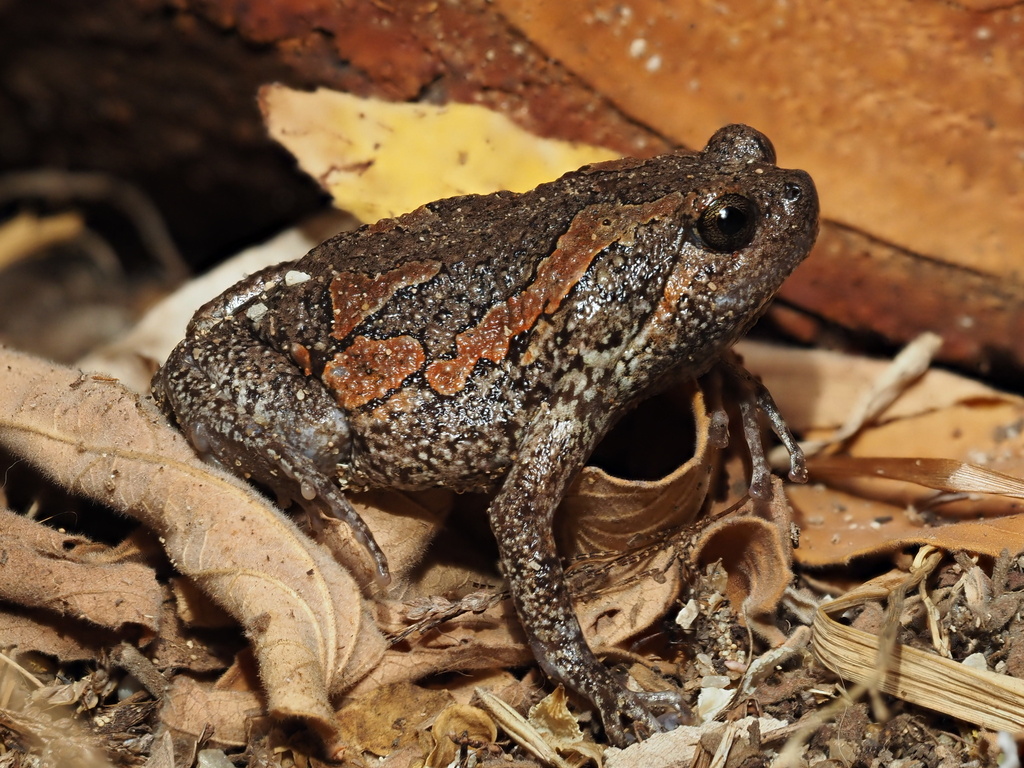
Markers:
(250, 407)
(554, 449)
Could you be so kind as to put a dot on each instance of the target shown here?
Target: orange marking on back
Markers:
(593, 229)
(356, 296)
(370, 368)
(300, 356)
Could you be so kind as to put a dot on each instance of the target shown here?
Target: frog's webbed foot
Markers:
(252, 410)
(754, 397)
(628, 716)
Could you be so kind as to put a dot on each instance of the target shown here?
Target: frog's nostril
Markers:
(792, 192)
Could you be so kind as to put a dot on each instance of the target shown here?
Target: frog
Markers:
(487, 343)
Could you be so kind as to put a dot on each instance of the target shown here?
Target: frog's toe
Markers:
(321, 494)
(632, 718)
(626, 717)
(673, 709)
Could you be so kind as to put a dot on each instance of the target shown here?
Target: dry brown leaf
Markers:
(109, 595)
(179, 646)
(945, 431)
(392, 717)
(458, 722)
(27, 631)
(52, 542)
(194, 709)
(815, 388)
(300, 609)
(468, 642)
(627, 602)
(837, 527)
(756, 553)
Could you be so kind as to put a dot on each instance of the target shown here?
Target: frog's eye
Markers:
(728, 224)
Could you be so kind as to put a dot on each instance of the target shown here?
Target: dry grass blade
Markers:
(947, 475)
(908, 366)
(984, 698)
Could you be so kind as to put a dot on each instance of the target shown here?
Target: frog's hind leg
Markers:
(249, 407)
(552, 451)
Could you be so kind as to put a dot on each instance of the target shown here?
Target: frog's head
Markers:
(722, 230)
(745, 226)
(754, 222)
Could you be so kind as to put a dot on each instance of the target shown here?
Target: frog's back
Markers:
(436, 272)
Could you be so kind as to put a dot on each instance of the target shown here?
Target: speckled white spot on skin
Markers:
(294, 277)
(256, 311)
(574, 382)
(653, 64)
(637, 48)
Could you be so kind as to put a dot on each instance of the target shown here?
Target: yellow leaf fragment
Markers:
(380, 159)
(27, 233)
(553, 720)
(524, 733)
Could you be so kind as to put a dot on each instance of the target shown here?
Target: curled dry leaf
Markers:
(603, 513)
(756, 552)
(109, 595)
(195, 709)
(302, 612)
(553, 720)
